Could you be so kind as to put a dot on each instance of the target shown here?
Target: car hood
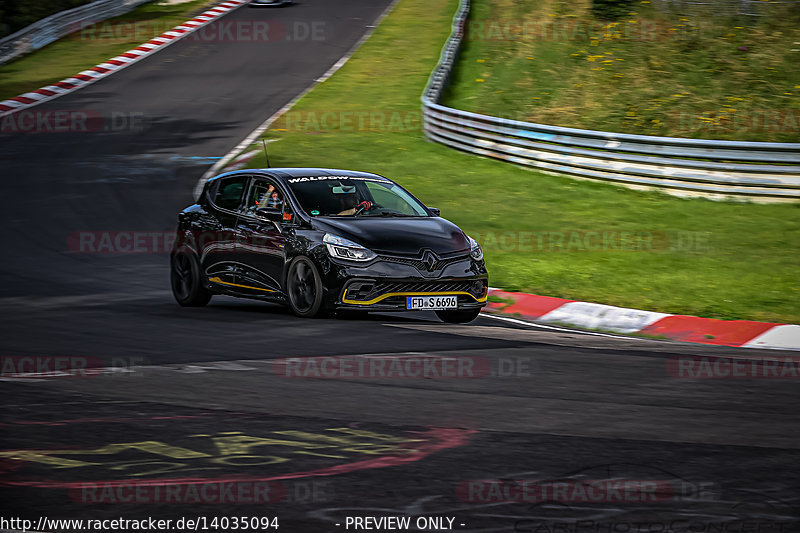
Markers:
(404, 236)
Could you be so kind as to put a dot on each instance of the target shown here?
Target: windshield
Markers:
(354, 196)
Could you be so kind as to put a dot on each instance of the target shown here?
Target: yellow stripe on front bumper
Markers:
(219, 280)
(390, 294)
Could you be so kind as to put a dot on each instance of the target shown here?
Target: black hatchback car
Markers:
(323, 240)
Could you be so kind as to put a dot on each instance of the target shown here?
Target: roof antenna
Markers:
(264, 142)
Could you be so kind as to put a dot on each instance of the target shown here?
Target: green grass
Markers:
(95, 44)
(712, 259)
(700, 75)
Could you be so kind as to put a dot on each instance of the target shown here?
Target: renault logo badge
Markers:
(430, 260)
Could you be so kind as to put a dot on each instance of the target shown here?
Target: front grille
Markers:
(417, 262)
(424, 286)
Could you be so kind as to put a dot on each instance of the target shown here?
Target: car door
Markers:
(217, 244)
(261, 242)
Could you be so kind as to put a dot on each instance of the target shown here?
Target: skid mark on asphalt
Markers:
(685, 506)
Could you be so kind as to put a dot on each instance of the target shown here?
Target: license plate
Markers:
(431, 302)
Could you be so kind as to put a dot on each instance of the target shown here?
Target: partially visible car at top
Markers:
(325, 240)
(269, 3)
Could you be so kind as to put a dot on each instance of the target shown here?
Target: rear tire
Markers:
(186, 281)
(304, 288)
(458, 317)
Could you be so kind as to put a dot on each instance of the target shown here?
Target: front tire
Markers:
(458, 317)
(186, 281)
(304, 288)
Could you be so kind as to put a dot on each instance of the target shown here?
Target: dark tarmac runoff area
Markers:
(123, 411)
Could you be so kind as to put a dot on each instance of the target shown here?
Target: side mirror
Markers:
(434, 211)
(274, 214)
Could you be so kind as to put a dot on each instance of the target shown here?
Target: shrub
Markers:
(611, 9)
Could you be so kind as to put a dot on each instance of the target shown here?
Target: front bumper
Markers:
(385, 285)
(391, 295)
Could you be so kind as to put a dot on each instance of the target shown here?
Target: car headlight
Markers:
(475, 250)
(344, 249)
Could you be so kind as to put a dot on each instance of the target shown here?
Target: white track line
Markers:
(555, 328)
(256, 133)
(126, 61)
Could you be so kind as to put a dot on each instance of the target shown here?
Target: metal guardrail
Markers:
(49, 29)
(759, 171)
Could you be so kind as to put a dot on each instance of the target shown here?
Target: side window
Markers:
(229, 192)
(263, 193)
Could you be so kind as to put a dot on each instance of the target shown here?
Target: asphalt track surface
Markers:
(194, 398)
